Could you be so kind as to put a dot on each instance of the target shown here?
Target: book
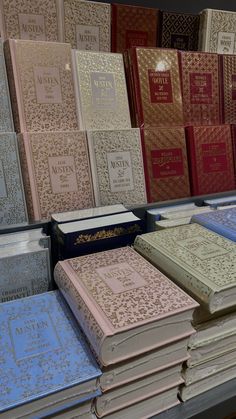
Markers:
(198, 260)
(228, 88)
(56, 172)
(86, 213)
(154, 214)
(225, 200)
(200, 84)
(29, 20)
(120, 282)
(41, 88)
(133, 26)
(157, 87)
(165, 163)
(179, 31)
(117, 167)
(162, 224)
(12, 198)
(86, 25)
(23, 236)
(177, 215)
(101, 90)
(35, 332)
(6, 121)
(233, 132)
(217, 31)
(222, 222)
(210, 159)
(83, 411)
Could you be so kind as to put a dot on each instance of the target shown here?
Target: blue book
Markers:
(222, 222)
(46, 365)
(226, 200)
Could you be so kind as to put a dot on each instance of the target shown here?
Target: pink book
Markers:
(124, 305)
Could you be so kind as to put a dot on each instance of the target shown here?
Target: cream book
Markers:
(117, 167)
(101, 90)
(124, 305)
(174, 215)
(200, 261)
(162, 224)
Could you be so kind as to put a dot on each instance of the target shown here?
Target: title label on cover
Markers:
(200, 88)
(136, 39)
(62, 174)
(120, 171)
(179, 41)
(233, 83)
(47, 85)
(103, 91)
(202, 248)
(3, 186)
(121, 277)
(32, 27)
(33, 335)
(167, 163)
(160, 86)
(225, 42)
(87, 37)
(214, 157)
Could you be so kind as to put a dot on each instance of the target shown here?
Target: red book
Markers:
(210, 159)
(233, 132)
(228, 88)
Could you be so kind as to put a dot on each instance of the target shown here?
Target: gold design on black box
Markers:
(107, 234)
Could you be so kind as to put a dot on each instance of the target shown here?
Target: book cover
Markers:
(133, 26)
(86, 25)
(101, 89)
(165, 163)
(200, 84)
(6, 121)
(228, 88)
(222, 222)
(157, 87)
(117, 167)
(27, 19)
(56, 172)
(41, 86)
(12, 198)
(211, 163)
(114, 296)
(179, 31)
(200, 261)
(35, 332)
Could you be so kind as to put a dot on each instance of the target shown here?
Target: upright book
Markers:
(210, 159)
(117, 167)
(101, 90)
(200, 84)
(228, 88)
(86, 25)
(6, 121)
(56, 172)
(41, 86)
(165, 163)
(179, 31)
(222, 222)
(133, 26)
(124, 305)
(200, 261)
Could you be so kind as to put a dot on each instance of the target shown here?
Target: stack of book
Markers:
(137, 322)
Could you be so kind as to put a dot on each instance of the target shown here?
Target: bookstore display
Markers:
(117, 208)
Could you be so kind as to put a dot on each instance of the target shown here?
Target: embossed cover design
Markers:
(27, 19)
(117, 167)
(37, 359)
(133, 26)
(200, 84)
(166, 164)
(41, 86)
(156, 78)
(56, 173)
(221, 221)
(12, 199)
(87, 25)
(210, 159)
(6, 121)
(179, 30)
(101, 89)
(228, 88)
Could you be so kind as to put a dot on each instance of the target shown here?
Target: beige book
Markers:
(162, 224)
(173, 215)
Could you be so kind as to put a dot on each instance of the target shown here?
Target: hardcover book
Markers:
(41, 86)
(154, 214)
(86, 25)
(210, 159)
(35, 332)
(179, 31)
(6, 121)
(200, 84)
(133, 26)
(69, 216)
(156, 79)
(177, 215)
(12, 199)
(228, 88)
(117, 167)
(222, 222)
(165, 163)
(225, 200)
(160, 225)
(22, 236)
(56, 173)
(114, 297)
(27, 19)
(217, 31)
(200, 261)
(101, 90)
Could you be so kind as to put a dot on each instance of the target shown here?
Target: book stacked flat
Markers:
(137, 323)
(203, 264)
(222, 222)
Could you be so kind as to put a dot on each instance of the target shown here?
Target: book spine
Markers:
(203, 31)
(76, 90)
(113, 27)
(60, 20)
(9, 123)
(136, 84)
(221, 89)
(233, 135)
(145, 165)
(2, 22)
(193, 175)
